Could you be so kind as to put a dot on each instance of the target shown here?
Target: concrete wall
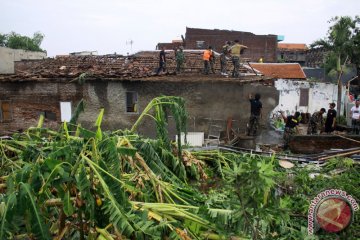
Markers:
(320, 95)
(8, 56)
(206, 102)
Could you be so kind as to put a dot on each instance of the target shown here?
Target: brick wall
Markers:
(258, 45)
(203, 102)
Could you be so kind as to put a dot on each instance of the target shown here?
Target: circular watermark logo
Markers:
(331, 210)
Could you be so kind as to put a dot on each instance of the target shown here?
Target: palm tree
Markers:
(339, 42)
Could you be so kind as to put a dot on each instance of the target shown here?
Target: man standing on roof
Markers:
(212, 61)
(180, 59)
(235, 52)
(223, 59)
(206, 58)
(255, 114)
(162, 61)
(316, 122)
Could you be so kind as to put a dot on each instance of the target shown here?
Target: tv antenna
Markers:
(130, 42)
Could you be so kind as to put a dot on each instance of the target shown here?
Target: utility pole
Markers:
(130, 41)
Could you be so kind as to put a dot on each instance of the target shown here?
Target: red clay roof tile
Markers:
(280, 70)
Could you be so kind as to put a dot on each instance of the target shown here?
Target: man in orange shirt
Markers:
(206, 58)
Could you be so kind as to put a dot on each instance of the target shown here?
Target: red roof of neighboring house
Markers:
(292, 46)
(280, 70)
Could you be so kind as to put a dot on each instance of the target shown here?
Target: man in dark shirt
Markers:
(290, 127)
(255, 114)
(330, 119)
(162, 61)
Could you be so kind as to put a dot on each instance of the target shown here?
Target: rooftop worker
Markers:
(255, 114)
(180, 59)
(206, 58)
(235, 52)
(212, 61)
(162, 61)
(330, 119)
(291, 123)
(316, 122)
(223, 59)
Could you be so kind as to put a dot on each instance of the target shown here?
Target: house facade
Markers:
(123, 87)
(292, 53)
(296, 93)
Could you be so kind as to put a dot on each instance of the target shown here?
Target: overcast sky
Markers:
(108, 26)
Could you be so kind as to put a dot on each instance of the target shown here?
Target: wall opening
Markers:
(304, 97)
(65, 111)
(131, 102)
(5, 111)
(200, 44)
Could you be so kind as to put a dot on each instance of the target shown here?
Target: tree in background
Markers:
(17, 41)
(339, 43)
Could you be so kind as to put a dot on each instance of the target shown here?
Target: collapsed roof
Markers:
(138, 67)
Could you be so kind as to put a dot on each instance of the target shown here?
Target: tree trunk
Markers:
(339, 71)
(339, 99)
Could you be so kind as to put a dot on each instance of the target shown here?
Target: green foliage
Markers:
(17, 41)
(68, 185)
(341, 43)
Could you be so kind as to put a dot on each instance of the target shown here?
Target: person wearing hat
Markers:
(330, 118)
(355, 117)
(316, 122)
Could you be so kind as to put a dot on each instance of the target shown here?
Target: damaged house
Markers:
(259, 46)
(295, 92)
(123, 86)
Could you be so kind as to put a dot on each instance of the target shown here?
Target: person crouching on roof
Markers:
(291, 123)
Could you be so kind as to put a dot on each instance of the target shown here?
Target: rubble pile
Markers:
(140, 65)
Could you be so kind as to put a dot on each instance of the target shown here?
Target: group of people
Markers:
(179, 58)
(229, 50)
(317, 124)
(232, 51)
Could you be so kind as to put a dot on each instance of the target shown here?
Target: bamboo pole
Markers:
(339, 155)
(350, 139)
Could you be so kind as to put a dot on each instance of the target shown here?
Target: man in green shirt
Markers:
(180, 59)
(235, 52)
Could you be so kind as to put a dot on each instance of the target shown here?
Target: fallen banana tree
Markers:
(81, 184)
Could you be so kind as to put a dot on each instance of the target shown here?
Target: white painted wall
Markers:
(320, 95)
(8, 56)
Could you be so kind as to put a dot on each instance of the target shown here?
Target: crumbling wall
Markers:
(206, 102)
(320, 95)
(30, 99)
(259, 46)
